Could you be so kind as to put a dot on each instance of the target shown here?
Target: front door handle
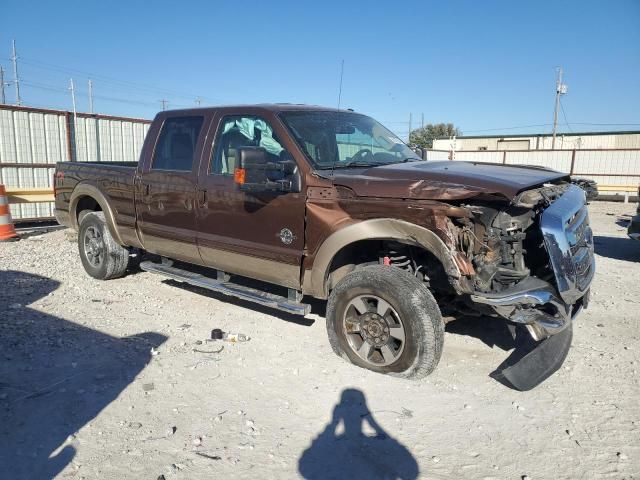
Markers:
(202, 197)
(146, 189)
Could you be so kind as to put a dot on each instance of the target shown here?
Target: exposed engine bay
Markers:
(506, 246)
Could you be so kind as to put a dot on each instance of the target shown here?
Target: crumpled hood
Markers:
(446, 180)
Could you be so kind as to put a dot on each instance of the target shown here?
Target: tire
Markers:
(358, 320)
(101, 256)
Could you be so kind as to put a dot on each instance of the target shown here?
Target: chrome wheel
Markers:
(94, 248)
(374, 330)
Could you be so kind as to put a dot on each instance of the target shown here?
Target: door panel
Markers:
(260, 235)
(166, 190)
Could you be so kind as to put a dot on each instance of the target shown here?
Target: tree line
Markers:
(423, 137)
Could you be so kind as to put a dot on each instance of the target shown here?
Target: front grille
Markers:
(569, 242)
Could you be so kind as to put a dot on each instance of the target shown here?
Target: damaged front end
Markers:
(534, 264)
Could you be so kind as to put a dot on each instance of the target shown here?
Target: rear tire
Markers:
(384, 319)
(101, 256)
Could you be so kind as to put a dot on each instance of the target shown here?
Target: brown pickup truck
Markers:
(330, 204)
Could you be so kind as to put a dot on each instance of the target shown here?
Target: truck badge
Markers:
(286, 236)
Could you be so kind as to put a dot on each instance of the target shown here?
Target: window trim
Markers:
(194, 161)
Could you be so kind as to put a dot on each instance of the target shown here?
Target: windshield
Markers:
(344, 140)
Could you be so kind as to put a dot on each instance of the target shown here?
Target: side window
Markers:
(243, 131)
(177, 144)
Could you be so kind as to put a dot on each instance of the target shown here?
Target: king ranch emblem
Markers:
(286, 236)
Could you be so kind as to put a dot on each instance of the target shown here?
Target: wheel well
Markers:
(87, 203)
(415, 259)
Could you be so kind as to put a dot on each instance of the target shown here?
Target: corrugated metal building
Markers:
(578, 141)
(32, 140)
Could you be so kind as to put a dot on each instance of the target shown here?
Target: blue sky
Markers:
(486, 66)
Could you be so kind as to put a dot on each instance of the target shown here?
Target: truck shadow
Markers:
(55, 377)
(344, 450)
(617, 248)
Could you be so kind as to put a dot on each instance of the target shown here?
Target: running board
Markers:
(228, 288)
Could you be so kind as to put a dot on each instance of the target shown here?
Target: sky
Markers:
(488, 67)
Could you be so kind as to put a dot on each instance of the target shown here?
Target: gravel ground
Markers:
(114, 380)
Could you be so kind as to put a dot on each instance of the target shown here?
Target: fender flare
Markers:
(89, 190)
(376, 229)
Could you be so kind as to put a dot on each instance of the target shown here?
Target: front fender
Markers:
(315, 281)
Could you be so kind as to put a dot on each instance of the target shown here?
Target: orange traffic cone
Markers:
(7, 230)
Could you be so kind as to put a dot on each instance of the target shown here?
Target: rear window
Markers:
(177, 144)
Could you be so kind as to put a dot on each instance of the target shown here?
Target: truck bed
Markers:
(115, 180)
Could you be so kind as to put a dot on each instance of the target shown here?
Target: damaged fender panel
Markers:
(381, 228)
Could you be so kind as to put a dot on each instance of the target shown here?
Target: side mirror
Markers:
(255, 173)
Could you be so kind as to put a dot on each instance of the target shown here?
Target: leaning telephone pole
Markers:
(90, 96)
(561, 89)
(73, 97)
(2, 97)
(16, 80)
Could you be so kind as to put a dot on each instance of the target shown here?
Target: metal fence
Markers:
(32, 140)
(615, 170)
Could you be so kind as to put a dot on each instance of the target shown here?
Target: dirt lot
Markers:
(114, 380)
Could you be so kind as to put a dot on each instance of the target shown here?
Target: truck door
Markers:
(166, 189)
(258, 235)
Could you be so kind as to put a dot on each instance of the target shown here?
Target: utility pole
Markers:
(422, 121)
(73, 97)
(340, 89)
(561, 89)
(164, 104)
(409, 136)
(90, 96)
(14, 59)
(2, 97)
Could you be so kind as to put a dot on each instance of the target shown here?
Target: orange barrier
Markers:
(7, 230)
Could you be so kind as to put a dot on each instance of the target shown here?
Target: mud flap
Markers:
(528, 367)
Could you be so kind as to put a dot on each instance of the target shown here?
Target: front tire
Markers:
(384, 319)
(101, 256)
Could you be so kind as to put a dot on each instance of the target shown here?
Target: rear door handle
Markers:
(202, 197)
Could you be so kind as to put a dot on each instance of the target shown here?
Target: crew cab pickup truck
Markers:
(330, 204)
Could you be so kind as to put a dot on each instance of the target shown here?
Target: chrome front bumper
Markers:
(535, 304)
(544, 308)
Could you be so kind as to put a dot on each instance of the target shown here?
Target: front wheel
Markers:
(386, 320)
(101, 256)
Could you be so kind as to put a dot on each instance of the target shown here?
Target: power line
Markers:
(607, 124)
(111, 80)
(340, 89)
(102, 97)
(509, 128)
(564, 115)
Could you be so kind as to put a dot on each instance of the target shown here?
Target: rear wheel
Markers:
(386, 320)
(101, 256)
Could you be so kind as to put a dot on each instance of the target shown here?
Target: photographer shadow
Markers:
(352, 453)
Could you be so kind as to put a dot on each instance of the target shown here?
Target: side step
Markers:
(228, 288)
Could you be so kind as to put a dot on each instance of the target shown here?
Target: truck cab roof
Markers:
(267, 107)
